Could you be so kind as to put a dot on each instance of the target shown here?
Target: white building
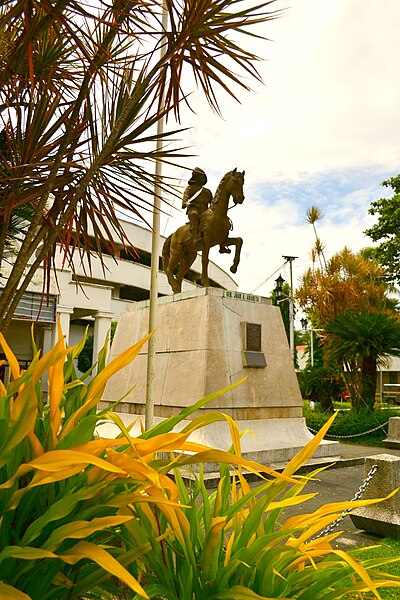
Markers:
(98, 298)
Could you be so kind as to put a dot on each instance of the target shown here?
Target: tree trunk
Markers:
(369, 379)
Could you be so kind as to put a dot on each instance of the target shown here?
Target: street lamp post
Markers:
(281, 297)
(311, 329)
(290, 260)
(304, 323)
(278, 290)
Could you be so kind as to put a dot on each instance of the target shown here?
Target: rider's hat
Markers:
(198, 176)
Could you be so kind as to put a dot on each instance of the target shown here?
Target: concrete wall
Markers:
(96, 301)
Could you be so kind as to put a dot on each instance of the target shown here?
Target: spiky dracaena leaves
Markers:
(82, 87)
(65, 492)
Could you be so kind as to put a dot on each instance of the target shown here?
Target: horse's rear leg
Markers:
(172, 280)
(205, 282)
(184, 266)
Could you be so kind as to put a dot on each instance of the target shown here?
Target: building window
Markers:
(5, 369)
(392, 376)
(36, 307)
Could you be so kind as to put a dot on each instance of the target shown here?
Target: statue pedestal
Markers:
(207, 339)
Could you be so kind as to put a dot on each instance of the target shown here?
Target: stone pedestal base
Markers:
(207, 340)
(382, 518)
(393, 438)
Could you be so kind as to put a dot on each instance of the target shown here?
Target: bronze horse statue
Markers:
(179, 250)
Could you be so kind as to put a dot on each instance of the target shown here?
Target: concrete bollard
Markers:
(393, 438)
(382, 518)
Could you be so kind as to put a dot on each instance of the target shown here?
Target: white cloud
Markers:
(331, 96)
(323, 130)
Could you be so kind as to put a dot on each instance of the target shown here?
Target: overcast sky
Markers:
(323, 130)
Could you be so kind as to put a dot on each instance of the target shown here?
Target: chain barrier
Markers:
(357, 496)
(343, 437)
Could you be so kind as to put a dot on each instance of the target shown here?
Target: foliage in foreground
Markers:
(85, 358)
(236, 543)
(78, 510)
(65, 492)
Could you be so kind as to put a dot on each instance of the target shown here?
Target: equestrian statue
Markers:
(208, 226)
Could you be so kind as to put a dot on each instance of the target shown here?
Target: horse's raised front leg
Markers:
(237, 242)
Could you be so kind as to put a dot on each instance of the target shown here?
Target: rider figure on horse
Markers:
(196, 200)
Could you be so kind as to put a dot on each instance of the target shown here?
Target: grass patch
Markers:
(388, 548)
(342, 405)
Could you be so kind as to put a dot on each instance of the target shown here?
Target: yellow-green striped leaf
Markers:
(104, 560)
(7, 592)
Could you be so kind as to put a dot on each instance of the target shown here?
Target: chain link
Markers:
(357, 496)
(344, 437)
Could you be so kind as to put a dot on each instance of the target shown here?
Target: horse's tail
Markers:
(166, 253)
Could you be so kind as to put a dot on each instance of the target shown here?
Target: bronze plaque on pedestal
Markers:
(252, 355)
(253, 337)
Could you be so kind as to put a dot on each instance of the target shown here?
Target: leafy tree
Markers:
(19, 217)
(322, 385)
(386, 230)
(314, 214)
(346, 283)
(360, 341)
(349, 282)
(82, 87)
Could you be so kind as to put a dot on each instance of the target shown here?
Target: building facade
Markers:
(94, 296)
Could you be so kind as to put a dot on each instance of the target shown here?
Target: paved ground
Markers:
(340, 482)
(337, 483)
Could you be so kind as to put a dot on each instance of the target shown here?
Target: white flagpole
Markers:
(155, 254)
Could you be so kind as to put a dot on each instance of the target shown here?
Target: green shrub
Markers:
(322, 385)
(85, 358)
(348, 425)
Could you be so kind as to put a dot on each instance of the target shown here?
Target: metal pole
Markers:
(312, 346)
(290, 260)
(155, 254)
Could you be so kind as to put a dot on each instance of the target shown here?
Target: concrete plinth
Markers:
(207, 340)
(393, 438)
(382, 518)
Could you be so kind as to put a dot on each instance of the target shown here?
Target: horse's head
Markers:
(236, 183)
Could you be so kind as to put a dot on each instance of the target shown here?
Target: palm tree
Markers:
(314, 214)
(80, 95)
(360, 342)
